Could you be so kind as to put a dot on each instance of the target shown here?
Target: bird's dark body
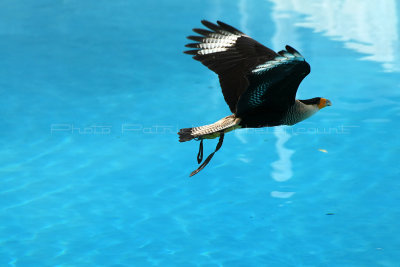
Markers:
(258, 84)
(261, 117)
(272, 114)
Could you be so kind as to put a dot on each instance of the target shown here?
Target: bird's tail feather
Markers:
(217, 129)
(210, 131)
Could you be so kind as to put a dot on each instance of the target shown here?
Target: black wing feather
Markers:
(274, 84)
(231, 54)
(251, 75)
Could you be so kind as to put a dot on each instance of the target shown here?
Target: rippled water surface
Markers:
(92, 173)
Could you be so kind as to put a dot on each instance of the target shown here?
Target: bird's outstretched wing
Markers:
(274, 83)
(231, 54)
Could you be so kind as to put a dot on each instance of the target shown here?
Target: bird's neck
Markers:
(299, 112)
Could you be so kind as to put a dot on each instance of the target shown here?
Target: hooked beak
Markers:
(328, 103)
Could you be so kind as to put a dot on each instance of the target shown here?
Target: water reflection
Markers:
(369, 27)
(282, 168)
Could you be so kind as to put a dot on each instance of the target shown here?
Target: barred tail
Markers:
(210, 131)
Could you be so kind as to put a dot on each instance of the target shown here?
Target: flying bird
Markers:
(258, 84)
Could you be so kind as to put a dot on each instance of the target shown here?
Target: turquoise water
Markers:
(92, 173)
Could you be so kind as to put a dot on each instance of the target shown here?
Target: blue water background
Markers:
(92, 173)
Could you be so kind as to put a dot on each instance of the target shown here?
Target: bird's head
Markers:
(323, 102)
(320, 102)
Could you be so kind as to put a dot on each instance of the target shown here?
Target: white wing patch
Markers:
(286, 58)
(217, 42)
(211, 50)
